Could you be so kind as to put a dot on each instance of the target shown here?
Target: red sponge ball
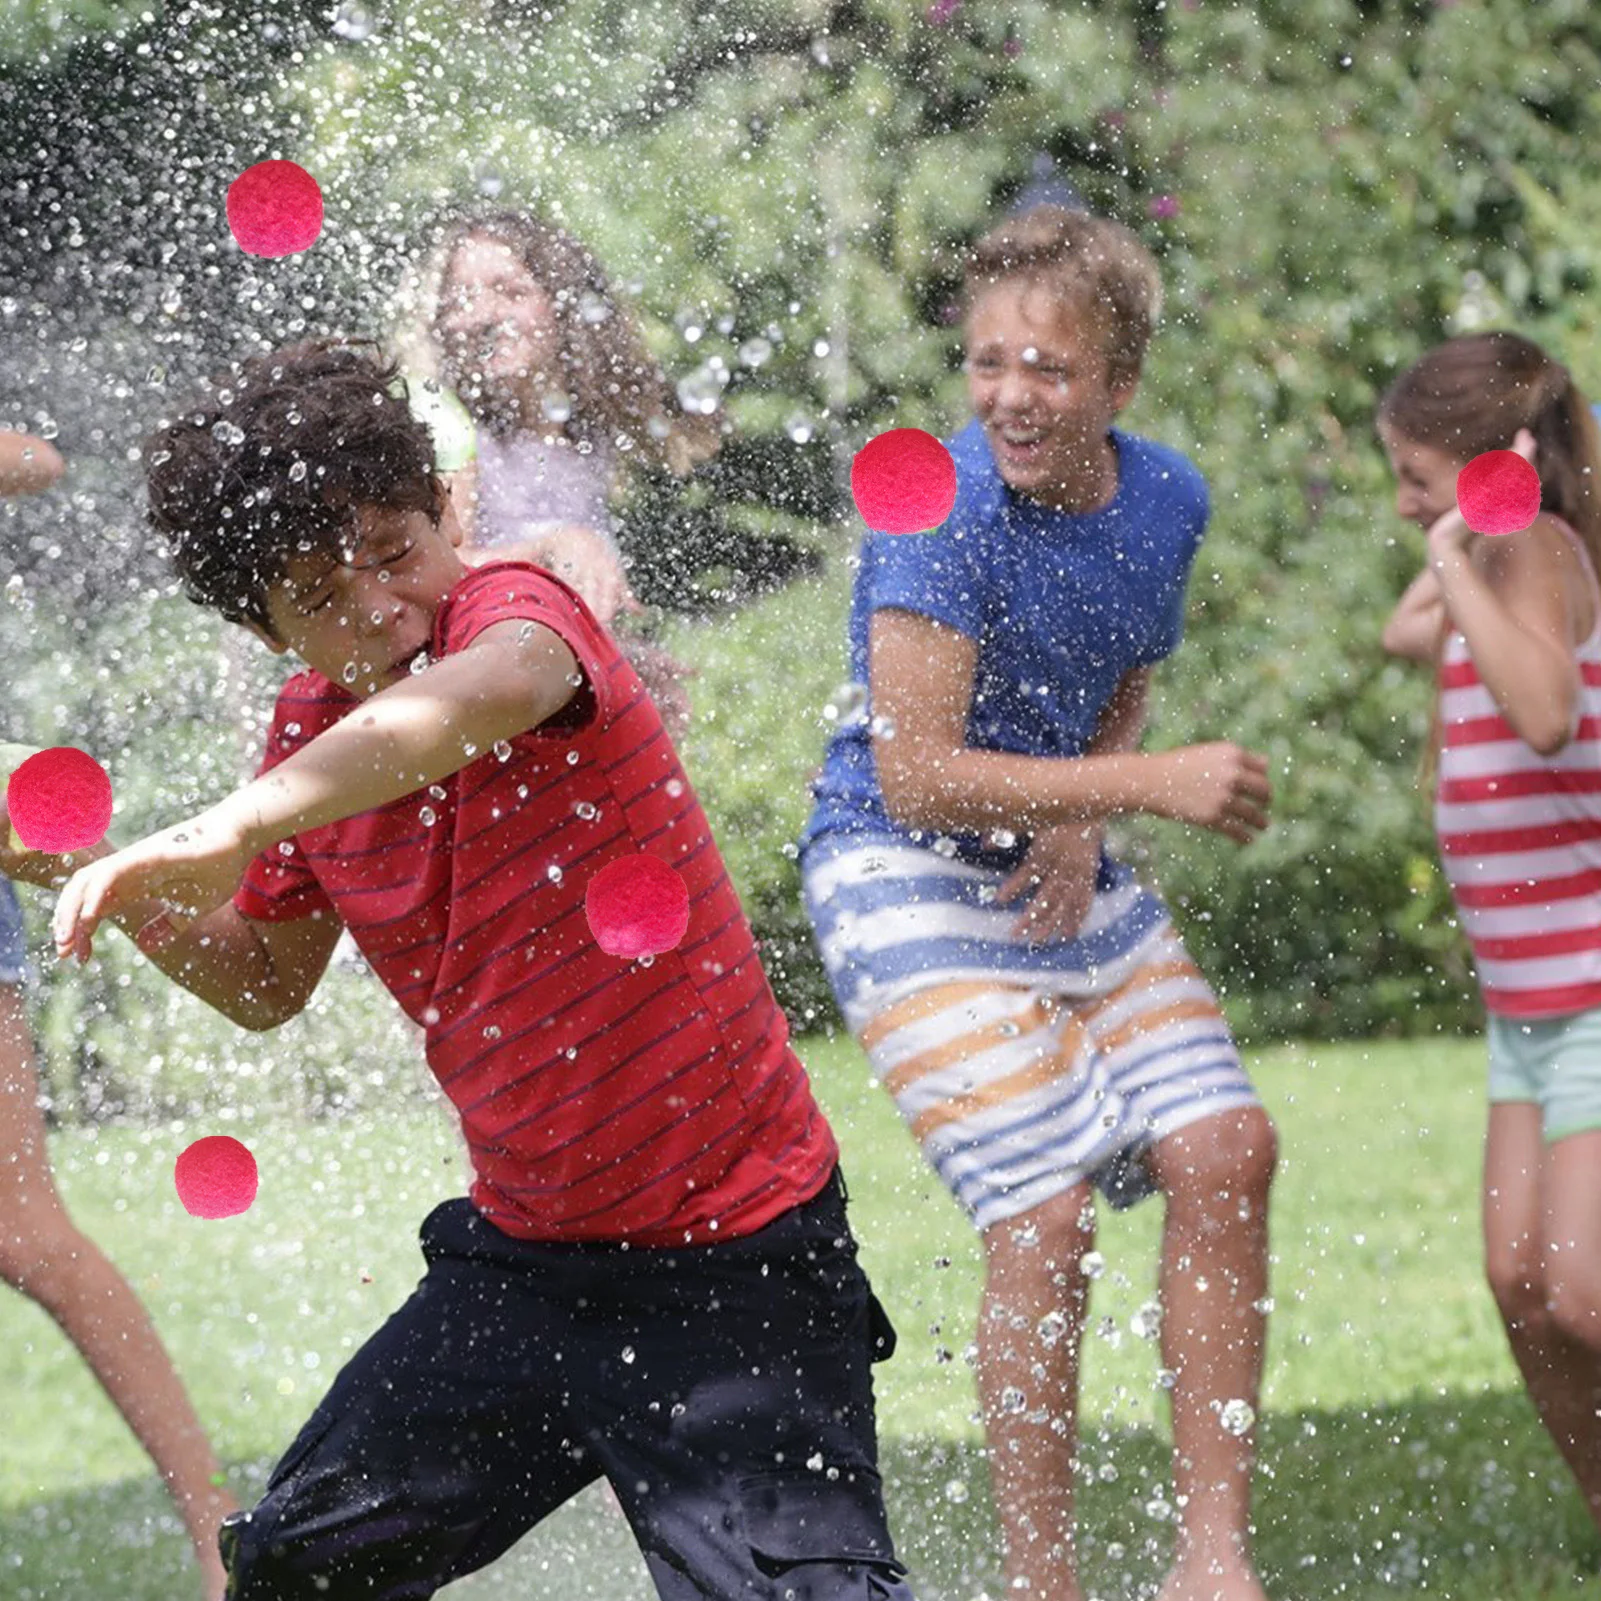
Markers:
(637, 906)
(903, 482)
(1498, 493)
(216, 1177)
(59, 800)
(275, 209)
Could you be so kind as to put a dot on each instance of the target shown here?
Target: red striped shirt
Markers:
(1520, 840)
(655, 1102)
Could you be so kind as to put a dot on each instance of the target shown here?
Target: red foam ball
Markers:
(216, 1177)
(637, 906)
(59, 800)
(275, 209)
(1498, 493)
(903, 482)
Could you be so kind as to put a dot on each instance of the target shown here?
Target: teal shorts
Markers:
(1554, 1062)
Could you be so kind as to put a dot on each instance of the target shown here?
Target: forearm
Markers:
(1413, 629)
(407, 736)
(975, 790)
(218, 958)
(1535, 685)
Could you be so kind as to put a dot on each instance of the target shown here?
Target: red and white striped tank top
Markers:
(1520, 839)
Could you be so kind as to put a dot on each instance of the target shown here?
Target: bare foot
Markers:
(1205, 1576)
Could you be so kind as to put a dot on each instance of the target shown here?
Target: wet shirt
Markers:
(1061, 605)
(524, 481)
(601, 1098)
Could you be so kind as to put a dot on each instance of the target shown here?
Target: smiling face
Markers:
(1038, 378)
(1425, 477)
(361, 622)
(498, 324)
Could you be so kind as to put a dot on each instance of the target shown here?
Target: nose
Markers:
(372, 604)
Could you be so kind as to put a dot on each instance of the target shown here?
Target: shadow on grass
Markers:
(1458, 1496)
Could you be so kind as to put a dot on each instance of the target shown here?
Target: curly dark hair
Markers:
(273, 461)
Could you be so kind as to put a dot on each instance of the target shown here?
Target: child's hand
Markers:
(1449, 534)
(39, 867)
(1060, 868)
(1219, 786)
(192, 869)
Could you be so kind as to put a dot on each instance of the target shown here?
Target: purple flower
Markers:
(1164, 206)
(941, 12)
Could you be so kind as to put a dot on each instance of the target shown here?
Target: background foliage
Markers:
(1331, 186)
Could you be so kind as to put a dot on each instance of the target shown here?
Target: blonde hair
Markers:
(1091, 262)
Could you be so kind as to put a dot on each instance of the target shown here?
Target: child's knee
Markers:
(1225, 1163)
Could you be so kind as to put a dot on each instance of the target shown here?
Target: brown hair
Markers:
(1473, 394)
(273, 460)
(1091, 262)
(616, 385)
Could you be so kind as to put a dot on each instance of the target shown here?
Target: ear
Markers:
(449, 522)
(1124, 390)
(271, 641)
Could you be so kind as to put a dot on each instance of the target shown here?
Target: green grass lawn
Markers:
(1398, 1453)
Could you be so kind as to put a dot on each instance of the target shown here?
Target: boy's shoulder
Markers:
(1156, 476)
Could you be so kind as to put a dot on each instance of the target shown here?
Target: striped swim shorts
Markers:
(1022, 1069)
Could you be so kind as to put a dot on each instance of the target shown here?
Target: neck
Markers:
(1089, 486)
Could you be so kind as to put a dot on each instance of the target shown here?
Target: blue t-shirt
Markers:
(1061, 605)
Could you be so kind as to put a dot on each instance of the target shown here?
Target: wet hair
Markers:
(1475, 392)
(272, 462)
(1092, 263)
(616, 386)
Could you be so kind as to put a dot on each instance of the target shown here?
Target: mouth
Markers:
(1018, 446)
(406, 666)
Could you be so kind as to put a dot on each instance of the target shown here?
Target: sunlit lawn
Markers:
(1398, 1453)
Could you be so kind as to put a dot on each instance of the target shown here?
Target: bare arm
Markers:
(514, 677)
(1413, 631)
(28, 464)
(1515, 606)
(922, 688)
(256, 974)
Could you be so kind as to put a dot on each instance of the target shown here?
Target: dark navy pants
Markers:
(724, 1390)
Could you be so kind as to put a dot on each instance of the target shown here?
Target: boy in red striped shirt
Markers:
(652, 1278)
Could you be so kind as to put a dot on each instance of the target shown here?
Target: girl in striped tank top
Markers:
(1514, 624)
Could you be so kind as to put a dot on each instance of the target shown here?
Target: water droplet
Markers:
(492, 1031)
(428, 816)
(1146, 1323)
(628, 1354)
(847, 705)
(297, 472)
(701, 391)
(1013, 1400)
(956, 1491)
(286, 847)
(799, 428)
(675, 787)
(292, 730)
(1236, 1417)
(502, 748)
(756, 352)
(572, 758)
(353, 21)
(430, 1015)
(945, 846)
(556, 408)
(437, 791)
(349, 673)
(227, 433)
(586, 810)
(421, 662)
(1166, 1378)
(815, 1462)
(592, 308)
(1003, 839)
(1093, 1265)
(647, 960)
(1052, 1328)
(882, 728)
(553, 873)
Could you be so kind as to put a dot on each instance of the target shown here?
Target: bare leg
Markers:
(45, 1256)
(1216, 1175)
(1030, 1327)
(1535, 1220)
